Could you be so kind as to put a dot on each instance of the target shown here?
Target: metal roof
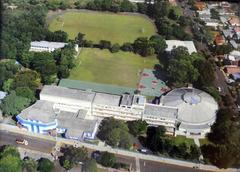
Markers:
(194, 106)
(96, 87)
(47, 44)
(171, 44)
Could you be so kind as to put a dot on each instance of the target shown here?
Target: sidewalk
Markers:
(114, 150)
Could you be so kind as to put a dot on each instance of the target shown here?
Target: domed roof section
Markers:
(194, 106)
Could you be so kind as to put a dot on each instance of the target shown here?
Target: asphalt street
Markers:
(221, 82)
(151, 166)
(8, 138)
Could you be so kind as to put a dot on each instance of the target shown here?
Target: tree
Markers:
(30, 165)
(115, 48)
(7, 71)
(158, 43)
(125, 141)
(57, 36)
(172, 14)
(10, 160)
(127, 47)
(138, 127)
(13, 104)
(114, 132)
(143, 47)
(80, 39)
(181, 69)
(206, 70)
(107, 159)
(67, 164)
(103, 44)
(223, 49)
(220, 155)
(44, 63)
(73, 156)
(27, 78)
(214, 14)
(164, 27)
(183, 21)
(90, 166)
(26, 92)
(7, 85)
(194, 152)
(45, 165)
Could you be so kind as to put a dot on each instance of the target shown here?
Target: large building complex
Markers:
(77, 113)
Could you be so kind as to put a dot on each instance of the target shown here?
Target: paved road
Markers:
(147, 166)
(9, 138)
(221, 82)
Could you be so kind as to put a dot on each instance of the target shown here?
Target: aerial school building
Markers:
(77, 113)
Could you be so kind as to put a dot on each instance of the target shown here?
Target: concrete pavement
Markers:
(169, 161)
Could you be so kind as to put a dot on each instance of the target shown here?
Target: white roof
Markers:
(47, 44)
(235, 53)
(62, 92)
(171, 44)
(2, 95)
(194, 106)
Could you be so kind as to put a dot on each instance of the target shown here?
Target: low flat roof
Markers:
(160, 111)
(63, 92)
(48, 44)
(96, 87)
(74, 123)
(40, 111)
(107, 99)
(176, 43)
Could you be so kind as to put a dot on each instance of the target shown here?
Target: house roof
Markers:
(231, 69)
(219, 40)
(171, 44)
(234, 21)
(235, 76)
(96, 87)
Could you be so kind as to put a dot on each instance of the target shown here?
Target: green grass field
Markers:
(101, 66)
(98, 26)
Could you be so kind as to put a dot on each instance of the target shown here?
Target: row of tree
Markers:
(157, 141)
(21, 86)
(142, 45)
(115, 133)
(10, 161)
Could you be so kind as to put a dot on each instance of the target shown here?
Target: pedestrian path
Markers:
(137, 165)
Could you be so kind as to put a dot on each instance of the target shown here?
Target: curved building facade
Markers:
(196, 110)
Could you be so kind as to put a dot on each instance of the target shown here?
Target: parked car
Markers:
(22, 141)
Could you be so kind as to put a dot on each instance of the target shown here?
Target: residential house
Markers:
(231, 69)
(200, 5)
(219, 40)
(234, 21)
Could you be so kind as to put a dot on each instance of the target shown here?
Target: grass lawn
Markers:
(117, 28)
(101, 66)
(204, 141)
(181, 139)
